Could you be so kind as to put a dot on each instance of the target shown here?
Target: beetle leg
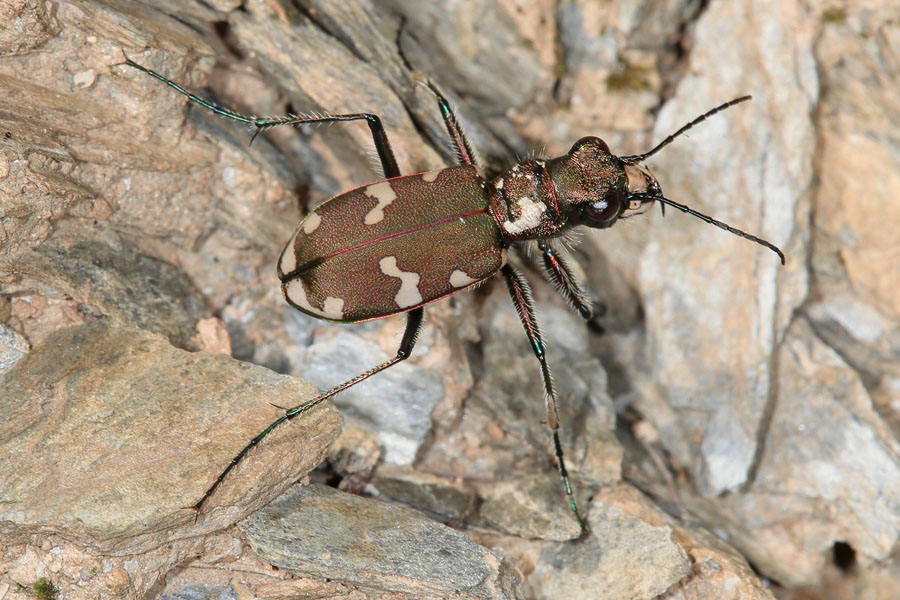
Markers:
(463, 149)
(560, 274)
(382, 145)
(520, 292)
(379, 136)
(413, 326)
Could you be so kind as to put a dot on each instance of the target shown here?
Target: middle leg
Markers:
(520, 292)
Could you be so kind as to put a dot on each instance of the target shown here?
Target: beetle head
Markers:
(596, 188)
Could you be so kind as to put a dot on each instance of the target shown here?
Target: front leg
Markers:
(520, 292)
(560, 275)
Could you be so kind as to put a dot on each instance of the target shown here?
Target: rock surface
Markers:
(320, 532)
(756, 401)
(107, 437)
(395, 406)
(596, 567)
(109, 434)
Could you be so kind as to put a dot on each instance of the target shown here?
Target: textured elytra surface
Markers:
(392, 246)
(773, 389)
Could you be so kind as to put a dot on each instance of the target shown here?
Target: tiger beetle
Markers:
(393, 246)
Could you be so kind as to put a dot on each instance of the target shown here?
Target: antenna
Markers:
(686, 209)
(642, 157)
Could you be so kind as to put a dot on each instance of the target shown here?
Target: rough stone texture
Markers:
(845, 487)
(761, 402)
(318, 531)
(109, 434)
(12, 348)
(124, 286)
(529, 507)
(602, 565)
(445, 499)
(733, 289)
(717, 570)
(396, 406)
(629, 531)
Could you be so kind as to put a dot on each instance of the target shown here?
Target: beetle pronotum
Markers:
(345, 263)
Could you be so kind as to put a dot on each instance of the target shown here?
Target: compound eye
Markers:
(589, 141)
(602, 213)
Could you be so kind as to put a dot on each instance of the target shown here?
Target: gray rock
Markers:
(394, 405)
(712, 298)
(624, 557)
(108, 435)
(120, 284)
(429, 493)
(12, 348)
(830, 458)
(529, 506)
(510, 391)
(319, 531)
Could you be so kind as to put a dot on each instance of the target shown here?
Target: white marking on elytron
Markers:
(311, 223)
(430, 176)
(385, 195)
(504, 257)
(409, 282)
(333, 308)
(288, 256)
(499, 184)
(460, 279)
(530, 217)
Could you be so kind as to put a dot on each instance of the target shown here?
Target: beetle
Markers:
(349, 260)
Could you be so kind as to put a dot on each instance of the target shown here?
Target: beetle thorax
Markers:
(523, 200)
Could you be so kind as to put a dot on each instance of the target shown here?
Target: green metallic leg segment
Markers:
(560, 275)
(520, 292)
(413, 327)
(463, 149)
(382, 145)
